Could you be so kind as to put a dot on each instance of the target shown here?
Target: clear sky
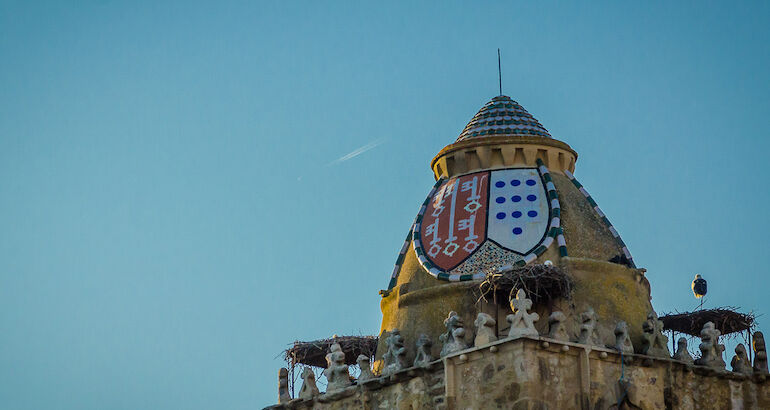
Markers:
(176, 206)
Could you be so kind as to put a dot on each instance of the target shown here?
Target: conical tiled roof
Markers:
(503, 116)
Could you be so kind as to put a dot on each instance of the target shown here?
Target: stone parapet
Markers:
(544, 373)
(420, 387)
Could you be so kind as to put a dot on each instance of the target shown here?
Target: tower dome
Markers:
(505, 198)
(502, 134)
(503, 116)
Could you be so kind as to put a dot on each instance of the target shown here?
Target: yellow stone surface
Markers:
(419, 303)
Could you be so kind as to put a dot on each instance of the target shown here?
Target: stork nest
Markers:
(726, 319)
(542, 283)
(314, 353)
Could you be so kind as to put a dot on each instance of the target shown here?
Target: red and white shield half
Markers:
(454, 221)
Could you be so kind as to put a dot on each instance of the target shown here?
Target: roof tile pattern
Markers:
(503, 116)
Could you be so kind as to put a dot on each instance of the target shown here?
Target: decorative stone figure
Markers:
(556, 328)
(394, 359)
(740, 362)
(423, 356)
(588, 333)
(336, 371)
(366, 369)
(682, 354)
(485, 330)
(522, 322)
(622, 340)
(711, 350)
(309, 388)
(654, 342)
(453, 338)
(283, 386)
(760, 354)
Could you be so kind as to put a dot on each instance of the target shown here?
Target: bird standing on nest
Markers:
(699, 288)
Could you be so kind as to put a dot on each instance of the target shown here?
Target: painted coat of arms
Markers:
(470, 220)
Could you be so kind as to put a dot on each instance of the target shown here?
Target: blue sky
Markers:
(173, 216)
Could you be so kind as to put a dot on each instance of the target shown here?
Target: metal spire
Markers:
(499, 73)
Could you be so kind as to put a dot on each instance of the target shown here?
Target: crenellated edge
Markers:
(502, 152)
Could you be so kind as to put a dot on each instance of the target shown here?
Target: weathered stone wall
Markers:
(541, 373)
(415, 388)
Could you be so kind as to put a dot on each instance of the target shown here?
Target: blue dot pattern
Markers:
(514, 223)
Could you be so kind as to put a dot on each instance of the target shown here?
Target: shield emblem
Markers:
(491, 212)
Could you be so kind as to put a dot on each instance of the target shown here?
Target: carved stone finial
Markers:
(711, 350)
(423, 356)
(556, 328)
(522, 322)
(588, 333)
(485, 330)
(337, 375)
(366, 369)
(309, 388)
(682, 354)
(622, 340)
(283, 386)
(740, 362)
(394, 359)
(655, 343)
(760, 354)
(453, 337)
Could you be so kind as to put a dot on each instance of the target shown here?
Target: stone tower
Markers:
(505, 197)
(505, 204)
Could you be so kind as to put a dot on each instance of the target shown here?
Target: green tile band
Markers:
(556, 231)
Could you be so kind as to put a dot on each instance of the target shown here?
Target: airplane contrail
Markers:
(356, 152)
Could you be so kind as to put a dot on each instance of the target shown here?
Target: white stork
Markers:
(699, 288)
